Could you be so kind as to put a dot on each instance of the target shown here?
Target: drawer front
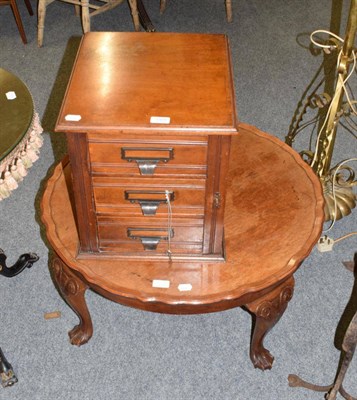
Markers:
(132, 249)
(136, 235)
(126, 199)
(138, 159)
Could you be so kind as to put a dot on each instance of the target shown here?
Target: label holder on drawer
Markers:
(147, 162)
(149, 200)
(147, 236)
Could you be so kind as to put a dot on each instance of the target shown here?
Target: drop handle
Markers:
(147, 158)
(150, 237)
(149, 201)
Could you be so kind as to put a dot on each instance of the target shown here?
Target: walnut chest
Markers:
(148, 119)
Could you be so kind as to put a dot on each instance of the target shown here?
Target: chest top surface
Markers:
(121, 80)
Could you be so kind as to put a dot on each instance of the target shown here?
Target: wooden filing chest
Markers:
(149, 119)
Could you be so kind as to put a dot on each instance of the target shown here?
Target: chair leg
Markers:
(17, 16)
(229, 10)
(85, 16)
(41, 21)
(77, 10)
(162, 6)
(29, 7)
(134, 12)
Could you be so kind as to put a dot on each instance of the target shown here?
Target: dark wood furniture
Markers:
(151, 210)
(149, 144)
(273, 218)
(15, 11)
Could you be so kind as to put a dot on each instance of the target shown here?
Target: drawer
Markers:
(133, 235)
(129, 198)
(148, 158)
(132, 249)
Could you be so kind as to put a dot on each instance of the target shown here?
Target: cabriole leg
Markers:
(73, 290)
(267, 311)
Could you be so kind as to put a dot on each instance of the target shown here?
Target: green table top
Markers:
(15, 115)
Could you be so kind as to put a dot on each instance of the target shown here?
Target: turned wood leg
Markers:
(73, 290)
(41, 15)
(267, 310)
(77, 10)
(17, 16)
(162, 6)
(134, 13)
(229, 10)
(29, 7)
(85, 16)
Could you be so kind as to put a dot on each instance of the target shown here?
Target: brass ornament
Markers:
(339, 196)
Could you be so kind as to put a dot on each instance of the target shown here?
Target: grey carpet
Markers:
(137, 355)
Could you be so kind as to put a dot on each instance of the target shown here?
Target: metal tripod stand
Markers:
(7, 375)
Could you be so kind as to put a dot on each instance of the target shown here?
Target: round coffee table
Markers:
(274, 217)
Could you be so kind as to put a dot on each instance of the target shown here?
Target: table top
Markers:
(140, 82)
(16, 115)
(273, 218)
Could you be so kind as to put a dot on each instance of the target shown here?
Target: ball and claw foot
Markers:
(267, 311)
(73, 289)
(262, 359)
(79, 336)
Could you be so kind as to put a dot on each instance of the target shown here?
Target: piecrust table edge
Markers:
(226, 301)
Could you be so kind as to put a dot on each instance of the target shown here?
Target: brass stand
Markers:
(338, 188)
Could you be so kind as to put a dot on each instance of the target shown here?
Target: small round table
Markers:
(20, 132)
(274, 217)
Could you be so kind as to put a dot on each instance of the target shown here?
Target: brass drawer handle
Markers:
(149, 200)
(148, 238)
(146, 157)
